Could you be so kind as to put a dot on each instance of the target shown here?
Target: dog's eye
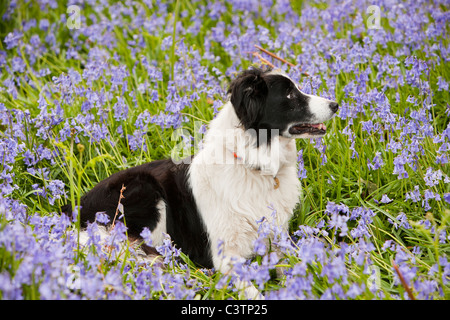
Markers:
(290, 92)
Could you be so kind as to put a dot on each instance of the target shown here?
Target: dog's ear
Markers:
(248, 94)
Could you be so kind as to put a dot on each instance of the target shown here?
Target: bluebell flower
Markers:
(339, 222)
(376, 163)
(146, 234)
(301, 172)
(56, 190)
(388, 245)
(361, 252)
(328, 295)
(118, 233)
(403, 219)
(11, 87)
(120, 109)
(385, 199)
(428, 194)
(167, 250)
(355, 290)
(335, 270)
(399, 165)
(18, 65)
(101, 217)
(408, 273)
(319, 145)
(432, 177)
(259, 246)
(414, 195)
(400, 221)
(442, 84)
(44, 24)
(12, 39)
(447, 197)
(425, 288)
(118, 74)
(361, 230)
(166, 43)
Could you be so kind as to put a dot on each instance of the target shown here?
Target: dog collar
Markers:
(236, 156)
(275, 179)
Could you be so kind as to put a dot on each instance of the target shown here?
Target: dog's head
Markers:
(271, 100)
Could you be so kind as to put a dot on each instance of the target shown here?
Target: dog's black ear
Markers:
(248, 94)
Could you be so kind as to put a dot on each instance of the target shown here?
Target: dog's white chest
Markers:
(232, 198)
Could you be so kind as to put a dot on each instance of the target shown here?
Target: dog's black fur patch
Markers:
(146, 185)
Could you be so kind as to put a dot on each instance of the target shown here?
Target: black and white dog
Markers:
(247, 163)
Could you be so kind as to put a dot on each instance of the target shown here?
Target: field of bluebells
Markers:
(104, 86)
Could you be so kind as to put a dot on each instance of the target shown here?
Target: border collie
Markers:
(246, 164)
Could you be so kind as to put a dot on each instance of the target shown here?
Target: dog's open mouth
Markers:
(313, 129)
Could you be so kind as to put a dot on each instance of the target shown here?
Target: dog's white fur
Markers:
(222, 188)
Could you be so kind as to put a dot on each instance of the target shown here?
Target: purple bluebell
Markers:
(12, 39)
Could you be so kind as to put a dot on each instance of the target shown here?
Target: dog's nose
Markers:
(334, 106)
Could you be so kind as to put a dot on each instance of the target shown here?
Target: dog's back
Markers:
(157, 195)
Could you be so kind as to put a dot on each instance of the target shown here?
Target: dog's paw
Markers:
(251, 293)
